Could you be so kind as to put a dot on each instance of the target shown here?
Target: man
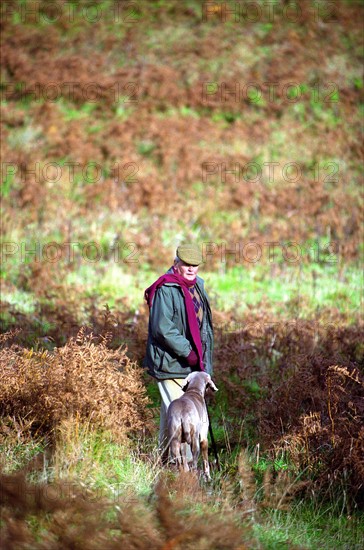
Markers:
(180, 333)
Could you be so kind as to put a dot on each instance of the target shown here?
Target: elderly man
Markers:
(180, 333)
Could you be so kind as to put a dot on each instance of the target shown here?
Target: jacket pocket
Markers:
(158, 358)
(168, 364)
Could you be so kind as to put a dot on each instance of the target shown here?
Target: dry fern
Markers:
(82, 378)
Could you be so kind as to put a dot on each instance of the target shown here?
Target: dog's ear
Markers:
(211, 385)
(185, 382)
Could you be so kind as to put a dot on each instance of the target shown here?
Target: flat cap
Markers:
(190, 254)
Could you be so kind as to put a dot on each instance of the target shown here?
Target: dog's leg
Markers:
(165, 455)
(185, 466)
(187, 432)
(175, 448)
(175, 436)
(205, 458)
(195, 447)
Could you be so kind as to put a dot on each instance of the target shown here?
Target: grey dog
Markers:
(187, 421)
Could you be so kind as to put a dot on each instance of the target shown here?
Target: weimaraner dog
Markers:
(187, 421)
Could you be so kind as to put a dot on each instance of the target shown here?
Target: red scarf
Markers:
(190, 310)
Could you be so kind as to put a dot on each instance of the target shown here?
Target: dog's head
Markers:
(200, 381)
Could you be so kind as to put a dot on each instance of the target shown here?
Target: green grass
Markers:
(284, 290)
(25, 138)
(70, 112)
(92, 457)
(111, 282)
(16, 452)
(105, 468)
(21, 301)
(310, 526)
(303, 288)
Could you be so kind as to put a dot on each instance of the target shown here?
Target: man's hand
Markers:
(192, 359)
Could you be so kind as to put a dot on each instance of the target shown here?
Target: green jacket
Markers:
(169, 339)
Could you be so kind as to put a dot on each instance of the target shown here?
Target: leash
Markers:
(213, 443)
